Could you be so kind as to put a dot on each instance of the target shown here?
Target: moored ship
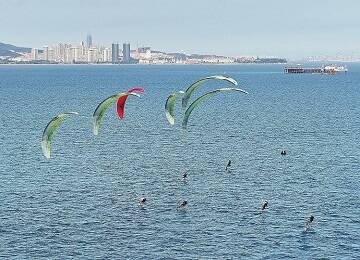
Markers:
(326, 69)
(336, 68)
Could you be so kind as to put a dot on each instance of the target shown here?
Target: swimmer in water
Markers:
(182, 204)
(309, 222)
(283, 152)
(184, 176)
(228, 165)
(264, 205)
(142, 201)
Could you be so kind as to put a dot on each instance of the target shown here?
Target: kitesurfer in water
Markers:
(142, 201)
(264, 205)
(309, 222)
(182, 204)
(228, 165)
(184, 176)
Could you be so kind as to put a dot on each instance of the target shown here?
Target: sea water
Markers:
(83, 202)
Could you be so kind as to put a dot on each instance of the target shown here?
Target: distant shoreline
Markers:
(176, 64)
(155, 64)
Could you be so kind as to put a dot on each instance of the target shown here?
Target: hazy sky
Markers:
(229, 27)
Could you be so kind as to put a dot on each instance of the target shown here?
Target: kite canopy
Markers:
(103, 106)
(50, 130)
(198, 83)
(204, 97)
(170, 107)
(120, 106)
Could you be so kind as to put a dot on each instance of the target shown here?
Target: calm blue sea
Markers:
(83, 202)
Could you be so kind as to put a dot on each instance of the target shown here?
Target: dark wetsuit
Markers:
(311, 219)
(182, 204)
(228, 165)
(265, 205)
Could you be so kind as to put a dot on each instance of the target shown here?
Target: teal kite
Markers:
(198, 83)
(204, 97)
(50, 130)
(170, 107)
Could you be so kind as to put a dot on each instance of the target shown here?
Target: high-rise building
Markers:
(92, 55)
(75, 54)
(67, 55)
(106, 55)
(59, 52)
(34, 54)
(126, 53)
(115, 53)
(51, 54)
(82, 48)
(46, 53)
(88, 41)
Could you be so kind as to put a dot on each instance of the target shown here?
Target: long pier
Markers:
(308, 70)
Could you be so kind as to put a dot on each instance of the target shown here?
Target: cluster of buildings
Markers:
(88, 53)
(82, 53)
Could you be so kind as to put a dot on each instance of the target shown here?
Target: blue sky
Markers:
(228, 27)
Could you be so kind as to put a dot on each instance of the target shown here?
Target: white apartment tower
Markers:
(106, 55)
(46, 53)
(92, 55)
(34, 54)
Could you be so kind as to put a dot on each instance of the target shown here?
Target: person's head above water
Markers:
(265, 204)
(311, 219)
(182, 204)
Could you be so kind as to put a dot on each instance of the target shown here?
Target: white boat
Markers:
(336, 68)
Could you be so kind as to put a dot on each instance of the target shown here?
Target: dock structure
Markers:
(308, 70)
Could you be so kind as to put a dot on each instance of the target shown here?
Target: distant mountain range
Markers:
(11, 50)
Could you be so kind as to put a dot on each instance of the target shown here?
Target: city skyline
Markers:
(86, 52)
(229, 27)
(89, 53)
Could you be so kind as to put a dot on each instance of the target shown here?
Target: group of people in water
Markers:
(142, 201)
(308, 223)
(264, 206)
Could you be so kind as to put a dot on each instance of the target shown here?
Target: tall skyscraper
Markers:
(67, 55)
(34, 54)
(51, 54)
(46, 53)
(115, 53)
(82, 48)
(88, 41)
(75, 53)
(92, 55)
(106, 55)
(59, 52)
(126, 53)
